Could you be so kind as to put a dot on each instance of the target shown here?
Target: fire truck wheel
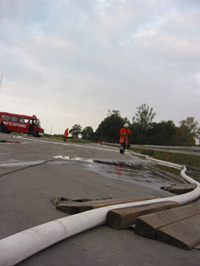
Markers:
(37, 134)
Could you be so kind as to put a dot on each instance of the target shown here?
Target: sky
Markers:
(70, 61)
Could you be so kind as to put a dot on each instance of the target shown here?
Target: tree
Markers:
(157, 134)
(198, 135)
(87, 133)
(161, 133)
(191, 124)
(76, 130)
(113, 112)
(109, 128)
(187, 132)
(142, 123)
(144, 116)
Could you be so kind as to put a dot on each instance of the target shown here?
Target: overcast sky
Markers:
(70, 61)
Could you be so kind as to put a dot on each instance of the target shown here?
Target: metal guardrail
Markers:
(188, 150)
(193, 150)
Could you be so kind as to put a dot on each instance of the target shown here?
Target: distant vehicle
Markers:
(21, 123)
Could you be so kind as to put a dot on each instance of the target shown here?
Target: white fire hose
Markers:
(16, 248)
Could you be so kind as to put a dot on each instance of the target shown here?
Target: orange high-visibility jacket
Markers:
(124, 132)
(66, 133)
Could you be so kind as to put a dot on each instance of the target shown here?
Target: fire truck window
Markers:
(14, 119)
(5, 117)
(24, 120)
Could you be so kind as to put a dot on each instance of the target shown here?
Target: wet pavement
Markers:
(138, 171)
(33, 171)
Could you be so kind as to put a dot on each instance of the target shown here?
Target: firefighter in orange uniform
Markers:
(124, 142)
(66, 134)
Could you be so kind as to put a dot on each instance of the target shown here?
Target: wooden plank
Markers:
(197, 246)
(72, 208)
(125, 217)
(184, 234)
(180, 188)
(59, 200)
(76, 207)
(147, 225)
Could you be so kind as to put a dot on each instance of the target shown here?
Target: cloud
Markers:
(70, 61)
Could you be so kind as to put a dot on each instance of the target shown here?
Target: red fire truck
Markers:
(21, 123)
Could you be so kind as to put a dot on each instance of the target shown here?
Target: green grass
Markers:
(188, 160)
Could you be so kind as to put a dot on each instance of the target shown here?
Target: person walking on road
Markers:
(1, 124)
(66, 134)
(124, 141)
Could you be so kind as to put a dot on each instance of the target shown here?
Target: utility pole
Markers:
(1, 81)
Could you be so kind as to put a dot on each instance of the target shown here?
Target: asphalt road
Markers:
(30, 176)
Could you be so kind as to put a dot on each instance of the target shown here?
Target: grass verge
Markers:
(188, 160)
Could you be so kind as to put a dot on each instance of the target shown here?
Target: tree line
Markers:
(143, 129)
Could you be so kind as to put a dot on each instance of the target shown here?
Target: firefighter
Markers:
(1, 124)
(66, 134)
(124, 134)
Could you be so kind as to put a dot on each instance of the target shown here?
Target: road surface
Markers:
(32, 173)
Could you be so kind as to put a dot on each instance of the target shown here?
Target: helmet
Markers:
(126, 125)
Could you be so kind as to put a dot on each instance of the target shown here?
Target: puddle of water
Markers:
(137, 171)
